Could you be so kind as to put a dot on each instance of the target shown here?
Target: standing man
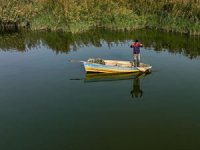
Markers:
(136, 52)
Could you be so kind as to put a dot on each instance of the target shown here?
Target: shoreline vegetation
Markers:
(75, 16)
(62, 42)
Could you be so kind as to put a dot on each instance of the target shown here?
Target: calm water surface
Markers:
(46, 103)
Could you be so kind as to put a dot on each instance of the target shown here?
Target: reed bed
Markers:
(182, 16)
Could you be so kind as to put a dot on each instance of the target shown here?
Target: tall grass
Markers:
(79, 15)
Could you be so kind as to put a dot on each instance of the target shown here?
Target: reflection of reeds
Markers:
(8, 27)
(76, 16)
(64, 42)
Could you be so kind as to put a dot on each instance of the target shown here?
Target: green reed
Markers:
(181, 16)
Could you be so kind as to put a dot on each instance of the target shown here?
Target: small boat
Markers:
(114, 66)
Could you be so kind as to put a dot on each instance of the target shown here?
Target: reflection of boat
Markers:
(114, 66)
(136, 91)
(95, 77)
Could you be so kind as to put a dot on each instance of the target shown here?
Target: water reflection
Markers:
(136, 91)
(65, 42)
(97, 77)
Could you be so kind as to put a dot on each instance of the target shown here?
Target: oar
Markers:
(76, 61)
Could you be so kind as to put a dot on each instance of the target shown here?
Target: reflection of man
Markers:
(137, 92)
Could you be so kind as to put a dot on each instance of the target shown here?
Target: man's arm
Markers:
(132, 45)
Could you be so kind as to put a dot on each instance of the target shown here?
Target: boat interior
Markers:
(119, 63)
(123, 63)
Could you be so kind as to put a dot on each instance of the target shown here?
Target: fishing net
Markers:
(97, 61)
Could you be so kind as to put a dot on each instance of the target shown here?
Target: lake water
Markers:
(46, 103)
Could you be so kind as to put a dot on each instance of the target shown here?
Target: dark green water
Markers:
(45, 103)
